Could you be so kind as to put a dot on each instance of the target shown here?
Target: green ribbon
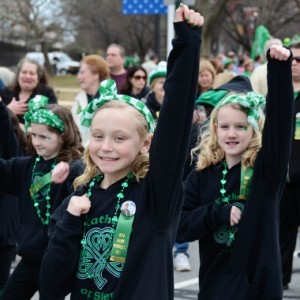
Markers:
(108, 92)
(37, 113)
(42, 182)
(252, 101)
(246, 176)
(121, 239)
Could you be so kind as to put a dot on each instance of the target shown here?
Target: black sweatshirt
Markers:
(148, 271)
(16, 179)
(10, 146)
(252, 268)
(294, 164)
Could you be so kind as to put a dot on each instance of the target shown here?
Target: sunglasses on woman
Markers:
(139, 77)
(296, 58)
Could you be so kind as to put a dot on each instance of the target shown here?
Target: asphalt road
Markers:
(186, 283)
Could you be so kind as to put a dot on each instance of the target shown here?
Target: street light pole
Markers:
(172, 4)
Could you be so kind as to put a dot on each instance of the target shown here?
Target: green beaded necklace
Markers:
(36, 204)
(84, 254)
(227, 232)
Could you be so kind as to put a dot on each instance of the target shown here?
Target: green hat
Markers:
(211, 97)
(238, 83)
(159, 71)
(108, 92)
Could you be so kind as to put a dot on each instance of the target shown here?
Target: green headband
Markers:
(252, 101)
(37, 113)
(108, 92)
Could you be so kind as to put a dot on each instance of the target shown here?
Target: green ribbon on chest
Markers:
(42, 182)
(121, 238)
(246, 176)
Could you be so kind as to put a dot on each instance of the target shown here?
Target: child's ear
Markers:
(146, 146)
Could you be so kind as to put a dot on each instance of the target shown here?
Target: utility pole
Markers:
(172, 5)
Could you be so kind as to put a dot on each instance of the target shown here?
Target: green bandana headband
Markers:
(39, 114)
(108, 92)
(252, 101)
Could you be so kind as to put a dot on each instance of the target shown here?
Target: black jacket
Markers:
(16, 178)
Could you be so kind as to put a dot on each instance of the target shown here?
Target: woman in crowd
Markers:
(30, 80)
(136, 83)
(93, 69)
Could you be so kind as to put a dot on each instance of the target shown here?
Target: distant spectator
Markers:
(136, 83)
(259, 75)
(248, 66)
(229, 66)
(207, 74)
(93, 69)
(6, 75)
(115, 57)
(29, 81)
(155, 97)
(151, 63)
(258, 61)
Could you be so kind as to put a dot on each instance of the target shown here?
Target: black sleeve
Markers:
(10, 145)
(277, 133)
(59, 264)
(169, 146)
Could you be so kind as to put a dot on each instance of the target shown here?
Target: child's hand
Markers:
(79, 205)
(183, 13)
(60, 172)
(235, 215)
(279, 52)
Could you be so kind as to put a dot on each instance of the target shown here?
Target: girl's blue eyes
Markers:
(117, 139)
(238, 127)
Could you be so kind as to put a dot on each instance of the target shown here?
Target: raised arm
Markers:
(277, 134)
(170, 143)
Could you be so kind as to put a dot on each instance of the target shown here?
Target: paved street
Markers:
(186, 283)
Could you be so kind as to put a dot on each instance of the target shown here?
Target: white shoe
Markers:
(181, 263)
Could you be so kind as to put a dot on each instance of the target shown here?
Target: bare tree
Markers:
(233, 22)
(99, 23)
(37, 23)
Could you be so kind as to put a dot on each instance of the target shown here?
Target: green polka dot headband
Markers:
(108, 92)
(37, 113)
(252, 101)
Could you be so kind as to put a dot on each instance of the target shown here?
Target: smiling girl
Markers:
(99, 249)
(232, 197)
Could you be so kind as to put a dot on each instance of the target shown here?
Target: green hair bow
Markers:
(252, 101)
(108, 92)
(37, 113)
